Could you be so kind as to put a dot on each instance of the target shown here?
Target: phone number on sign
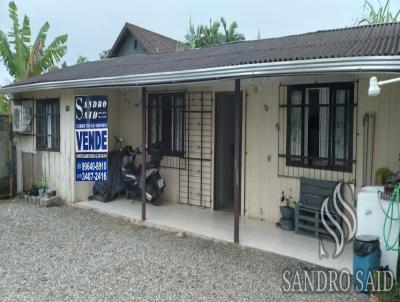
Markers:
(94, 166)
(93, 176)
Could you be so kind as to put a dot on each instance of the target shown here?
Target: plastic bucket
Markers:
(366, 259)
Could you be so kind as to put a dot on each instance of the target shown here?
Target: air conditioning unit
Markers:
(26, 118)
(22, 118)
(16, 118)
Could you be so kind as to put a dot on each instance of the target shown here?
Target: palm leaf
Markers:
(396, 16)
(380, 14)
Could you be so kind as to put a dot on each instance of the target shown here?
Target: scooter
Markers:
(131, 174)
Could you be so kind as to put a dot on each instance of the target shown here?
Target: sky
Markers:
(93, 25)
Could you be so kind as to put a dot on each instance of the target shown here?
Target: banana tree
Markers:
(378, 14)
(23, 59)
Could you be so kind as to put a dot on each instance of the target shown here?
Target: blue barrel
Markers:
(366, 259)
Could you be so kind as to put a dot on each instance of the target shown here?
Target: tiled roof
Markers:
(370, 40)
(152, 42)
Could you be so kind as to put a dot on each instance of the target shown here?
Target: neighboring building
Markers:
(136, 40)
(303, 109)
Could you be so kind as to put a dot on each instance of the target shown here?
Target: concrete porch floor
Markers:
(219, 225)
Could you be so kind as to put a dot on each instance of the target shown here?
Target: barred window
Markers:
(48, 125)
(166, 122)
(320, 126)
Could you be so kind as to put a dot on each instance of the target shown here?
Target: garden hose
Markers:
(389, 218)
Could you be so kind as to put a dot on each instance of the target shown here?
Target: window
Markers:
(48, 125)
(320, 126)
(166, 122)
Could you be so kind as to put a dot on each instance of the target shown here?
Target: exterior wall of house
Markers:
(55, 167)
(387, 138)
(128, 47)
(264, 126)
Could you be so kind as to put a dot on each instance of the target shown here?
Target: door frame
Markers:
(217, 93)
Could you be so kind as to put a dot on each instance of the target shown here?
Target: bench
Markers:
(308, 209)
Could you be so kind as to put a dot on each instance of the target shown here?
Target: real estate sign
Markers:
(91, 138)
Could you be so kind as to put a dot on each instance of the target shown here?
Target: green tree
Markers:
(24, 59)
(374, 13)
(230, 32)
(81, 59)
(3, 105)
(194, 35)
(211, 34)
(104, 54)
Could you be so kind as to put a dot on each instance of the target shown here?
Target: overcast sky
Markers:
(93, 25)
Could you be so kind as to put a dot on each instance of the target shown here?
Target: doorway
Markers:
(224, 149)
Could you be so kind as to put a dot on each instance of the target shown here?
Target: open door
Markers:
(224, 150)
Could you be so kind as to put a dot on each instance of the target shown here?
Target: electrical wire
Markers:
(389, 219)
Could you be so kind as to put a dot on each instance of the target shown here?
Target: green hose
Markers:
(395, 245)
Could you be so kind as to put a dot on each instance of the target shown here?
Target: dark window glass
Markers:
(320, 126)
(48, 125)
(166, 122)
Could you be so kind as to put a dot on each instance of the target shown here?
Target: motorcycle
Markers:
(131, 174)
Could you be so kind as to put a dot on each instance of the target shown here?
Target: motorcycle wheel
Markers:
(152, 189)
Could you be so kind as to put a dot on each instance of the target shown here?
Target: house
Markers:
(245, 120)
(136, 40)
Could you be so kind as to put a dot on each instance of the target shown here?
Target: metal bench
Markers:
(308, 209)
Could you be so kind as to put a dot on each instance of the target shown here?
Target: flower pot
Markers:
(287, 212)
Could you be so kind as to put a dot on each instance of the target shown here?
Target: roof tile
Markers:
(370, 40)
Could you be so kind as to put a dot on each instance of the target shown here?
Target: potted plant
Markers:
(287, 210)
(381, 176)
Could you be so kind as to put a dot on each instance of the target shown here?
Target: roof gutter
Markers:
(319, 66)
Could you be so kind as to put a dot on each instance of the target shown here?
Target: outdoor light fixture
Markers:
(375, 86)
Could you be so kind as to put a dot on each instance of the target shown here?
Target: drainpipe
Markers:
(10, 147)
(143, 176)
(236, 196)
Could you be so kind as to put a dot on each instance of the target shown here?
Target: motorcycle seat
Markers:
(130, 176)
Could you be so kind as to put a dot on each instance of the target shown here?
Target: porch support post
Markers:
(236, 196)
(143, 149)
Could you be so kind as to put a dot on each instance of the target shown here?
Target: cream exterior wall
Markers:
(58, 172)
(261, 186)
